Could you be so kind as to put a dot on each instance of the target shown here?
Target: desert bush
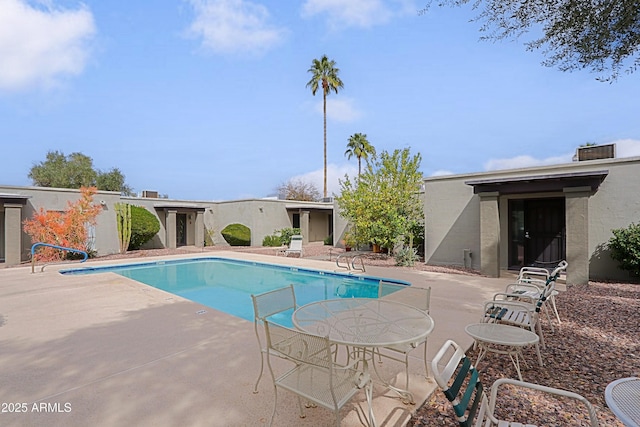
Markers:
(406, 256)
(286, 233)
(271, 240)
(237, 235)
(67, 229)
(625, 248)
(144, 225)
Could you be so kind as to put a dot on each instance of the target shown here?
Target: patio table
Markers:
(623, 398)
(366, 324)
(503, 339)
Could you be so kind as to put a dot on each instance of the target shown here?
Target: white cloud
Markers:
(525, 162)
(441, 173)
(234, 26)
(341, 110)
(354, 13)
(624, 148)
(627, 147)
(334, 173)
(39, 46)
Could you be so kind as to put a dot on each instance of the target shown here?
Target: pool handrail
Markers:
(350, 264)
(35, 245)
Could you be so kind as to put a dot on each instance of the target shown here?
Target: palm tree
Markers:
(360, 147)
(324, 73)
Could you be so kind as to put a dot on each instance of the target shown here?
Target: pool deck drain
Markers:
(104, 350)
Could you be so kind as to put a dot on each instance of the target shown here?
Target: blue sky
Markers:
(206, 99)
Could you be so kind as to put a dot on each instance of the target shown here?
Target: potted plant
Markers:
(349, 241)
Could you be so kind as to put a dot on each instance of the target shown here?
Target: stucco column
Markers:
(199, 229)
(170, 225)
(577, 226)
(12, 233)
(304, 226)
(489, 234)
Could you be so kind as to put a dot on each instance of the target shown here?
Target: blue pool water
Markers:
(226, 285)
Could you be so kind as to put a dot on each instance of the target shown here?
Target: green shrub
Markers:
(286, 233)
(406, 256)
(144, 225)
(237, 235)
(328, 240)
(625, 248)
(271, 240)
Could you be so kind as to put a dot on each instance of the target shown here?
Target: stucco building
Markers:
(500, 220)
(182, 222)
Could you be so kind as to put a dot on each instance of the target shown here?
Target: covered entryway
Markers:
(537, 232)
(543, 218)
(183, 224)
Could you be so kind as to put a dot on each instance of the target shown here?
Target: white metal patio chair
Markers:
(315, 376)
(413, 296)
(295, 246)
(534, 283)
(531, 282)
(518, 313)
(460, 382)
(265, 305)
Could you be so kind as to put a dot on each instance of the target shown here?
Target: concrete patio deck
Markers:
(104, 350)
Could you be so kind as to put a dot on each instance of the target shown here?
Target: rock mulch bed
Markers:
(597, 342)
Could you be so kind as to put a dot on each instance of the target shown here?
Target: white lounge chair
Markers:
(295, 247)
(460, 382)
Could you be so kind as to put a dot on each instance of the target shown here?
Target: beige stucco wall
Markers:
(452, 214)
(262, 216)
(452, 221)
(56, 199)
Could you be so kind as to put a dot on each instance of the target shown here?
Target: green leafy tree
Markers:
(72, 171)
(113, 181)
(384, 203)
(359, 147)
(600, 35)
(324, 74)
(75, 171)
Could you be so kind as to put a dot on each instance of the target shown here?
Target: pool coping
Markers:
(123, 353)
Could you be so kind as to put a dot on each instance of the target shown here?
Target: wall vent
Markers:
(595, 152)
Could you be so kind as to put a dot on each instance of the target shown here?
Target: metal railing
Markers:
(350, 261)
(35, 245)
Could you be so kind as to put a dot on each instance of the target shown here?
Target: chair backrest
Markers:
(273, 302)
(414, 296)
(460, 382)
(298, 346)
(296, 243)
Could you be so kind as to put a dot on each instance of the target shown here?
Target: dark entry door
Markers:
(181, 229)
(537, 231)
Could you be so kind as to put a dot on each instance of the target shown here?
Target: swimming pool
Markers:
(226, 284)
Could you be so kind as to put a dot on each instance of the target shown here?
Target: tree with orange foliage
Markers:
(67, 229)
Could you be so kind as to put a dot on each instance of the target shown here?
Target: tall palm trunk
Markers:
(324, 110)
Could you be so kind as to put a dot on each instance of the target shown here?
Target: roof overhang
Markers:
(14, 198)
(181, 206)
(309, 206)
(539, 183)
